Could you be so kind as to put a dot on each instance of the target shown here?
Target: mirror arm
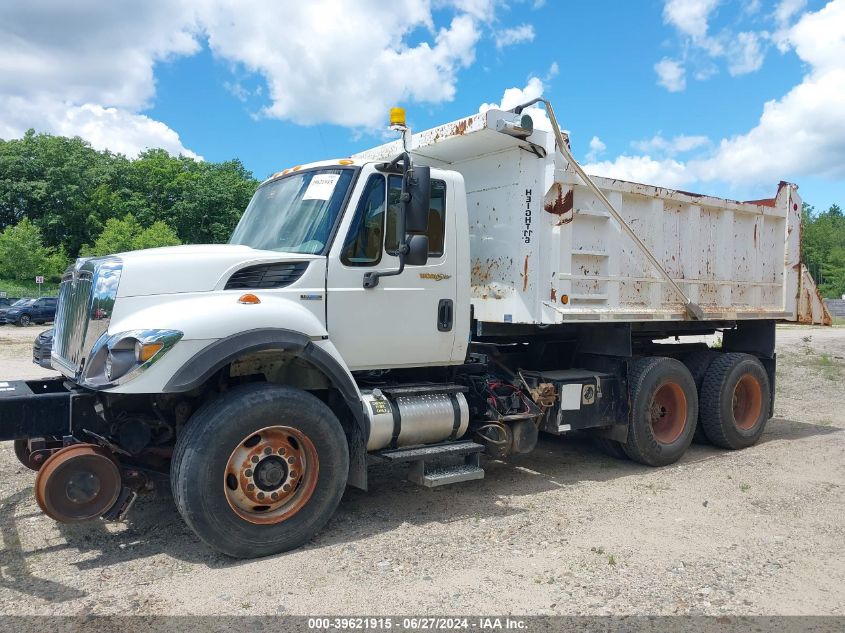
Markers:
(371, 278)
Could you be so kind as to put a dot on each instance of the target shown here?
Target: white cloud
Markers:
(746, 54)
(481, 10)
(341, 62)
(86, 68)
(784, 12)
(689, 16)
(324, 61)
(800, 134)
(515, 35)
(676, 145)
(666, 173)
(743, 51)
(597, 148)
(105, 128)
(90, 51)
(671, 74)
(787, 9)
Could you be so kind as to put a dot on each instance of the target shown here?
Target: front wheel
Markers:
(260, 470)
(24, 320)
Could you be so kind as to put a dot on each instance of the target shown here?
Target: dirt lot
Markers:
(562, 530)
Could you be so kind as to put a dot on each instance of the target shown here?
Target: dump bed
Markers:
(544, 249)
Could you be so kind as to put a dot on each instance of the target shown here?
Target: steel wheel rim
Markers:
(668, 412)
(747, 402)
(271, 475)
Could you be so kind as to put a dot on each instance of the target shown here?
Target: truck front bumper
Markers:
(43, 408)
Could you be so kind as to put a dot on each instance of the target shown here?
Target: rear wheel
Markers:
(735, 400)
(664, 409)
(260, 470)
(698, 363)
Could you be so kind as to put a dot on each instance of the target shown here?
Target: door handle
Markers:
(445, 315)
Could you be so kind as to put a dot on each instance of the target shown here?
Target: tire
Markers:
(212, 463)
(610, 447)
(23, 454)
(698, 363)
(735, 400)
(24, 320)
(664, 410)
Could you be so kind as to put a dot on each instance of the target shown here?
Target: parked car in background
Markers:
(5, 302)
(41, 310)
(12, 303)
(42, 347)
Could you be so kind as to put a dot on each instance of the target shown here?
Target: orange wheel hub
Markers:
(271, 475)
(747, 402)
(668, 412)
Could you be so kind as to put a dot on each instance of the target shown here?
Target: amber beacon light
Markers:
(397, 117)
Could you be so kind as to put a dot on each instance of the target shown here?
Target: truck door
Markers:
(408, 319)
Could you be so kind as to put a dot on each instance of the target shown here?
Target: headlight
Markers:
(118, 358)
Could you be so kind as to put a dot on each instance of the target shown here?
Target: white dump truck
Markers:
(436, 302)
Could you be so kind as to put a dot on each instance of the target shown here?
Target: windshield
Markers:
(22, 302)
(296, 213)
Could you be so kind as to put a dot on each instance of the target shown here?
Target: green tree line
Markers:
(824, 248)
(60, 198)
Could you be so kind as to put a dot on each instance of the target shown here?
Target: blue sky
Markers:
(667, 92)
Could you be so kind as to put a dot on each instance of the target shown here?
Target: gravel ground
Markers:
(563, 530)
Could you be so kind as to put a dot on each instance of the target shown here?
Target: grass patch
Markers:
(828, 367)
(17, 288)
(745, 487)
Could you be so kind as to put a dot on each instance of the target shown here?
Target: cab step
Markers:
(421, 475)
(427, 462)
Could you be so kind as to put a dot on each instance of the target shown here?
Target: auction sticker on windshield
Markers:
(321, 187)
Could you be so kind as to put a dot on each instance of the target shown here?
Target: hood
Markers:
(194, 268)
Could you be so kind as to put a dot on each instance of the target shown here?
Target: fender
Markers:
(205, 363)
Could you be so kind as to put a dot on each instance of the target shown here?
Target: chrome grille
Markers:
(86, 297)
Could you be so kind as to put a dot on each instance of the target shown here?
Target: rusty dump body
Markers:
(545, 250)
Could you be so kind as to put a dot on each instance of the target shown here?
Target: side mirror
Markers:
(417, 250)
(419, 188)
